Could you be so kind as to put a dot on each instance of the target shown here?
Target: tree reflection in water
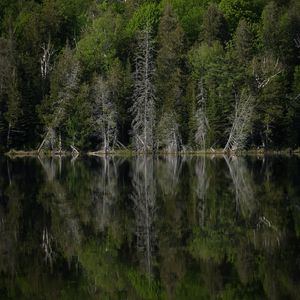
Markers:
(145, 209)
(150, 228)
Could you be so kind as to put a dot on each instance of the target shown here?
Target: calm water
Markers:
(144, 228)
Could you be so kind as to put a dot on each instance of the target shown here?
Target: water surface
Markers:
(150, 228)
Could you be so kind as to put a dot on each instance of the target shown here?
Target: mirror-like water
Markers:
(150, 228)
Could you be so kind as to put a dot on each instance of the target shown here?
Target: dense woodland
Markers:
(171, 75)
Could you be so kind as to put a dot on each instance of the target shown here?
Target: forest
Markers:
(169, 75)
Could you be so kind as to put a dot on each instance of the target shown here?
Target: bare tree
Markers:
(241, 122)
(104, 114)
(201, 118)
(143, 108)
(144, 199)
(46, 57)
(265, 69)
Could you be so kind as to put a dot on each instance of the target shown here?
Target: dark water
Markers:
(144, 228)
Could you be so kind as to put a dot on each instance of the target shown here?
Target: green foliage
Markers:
(235, 10)
(190, 14)
(78, 123)
(147, 15)
(209, 46)
(98, 46)
(214, 26)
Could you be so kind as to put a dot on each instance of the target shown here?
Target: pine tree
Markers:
(214, 27)
(168, 80)
(243, 42)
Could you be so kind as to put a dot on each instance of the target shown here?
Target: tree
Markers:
(202, 124)
(241, 122)
(168, 80)
(214, 26)
(97, 48)
(269, 88)
(144, 96)
(64, 86)
(236, 10)
(104, 119)
(9, 87)
(270, 31)
(243, 42)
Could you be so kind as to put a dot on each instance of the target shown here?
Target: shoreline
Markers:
(130, 153)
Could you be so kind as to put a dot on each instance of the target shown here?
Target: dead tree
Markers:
(241, 123)
(104, 115)
(143, 108)
(264, 70)
(45, 60)
(144, 199)
(201, 118)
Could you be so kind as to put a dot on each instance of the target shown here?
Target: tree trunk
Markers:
(59, 143)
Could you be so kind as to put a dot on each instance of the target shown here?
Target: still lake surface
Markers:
(150, 228)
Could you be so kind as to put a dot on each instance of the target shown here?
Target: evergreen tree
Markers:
(214, 27)
(244, 42)
(168, 80)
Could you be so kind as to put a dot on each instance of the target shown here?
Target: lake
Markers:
(150, 228)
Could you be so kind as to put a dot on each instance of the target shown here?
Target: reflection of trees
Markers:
(168, 171)
(144, 199)
(253, 254)
(202, 184)
(105, 191)
(9, 228)
(63, 228)
(243, 186)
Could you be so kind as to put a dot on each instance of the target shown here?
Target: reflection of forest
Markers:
(149, 228)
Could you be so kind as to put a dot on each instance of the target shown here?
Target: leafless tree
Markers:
(201, 118)
(265, 69)
(144, 199)
(104, 114)
(241, 122)
(143, 108)
(46, 57)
